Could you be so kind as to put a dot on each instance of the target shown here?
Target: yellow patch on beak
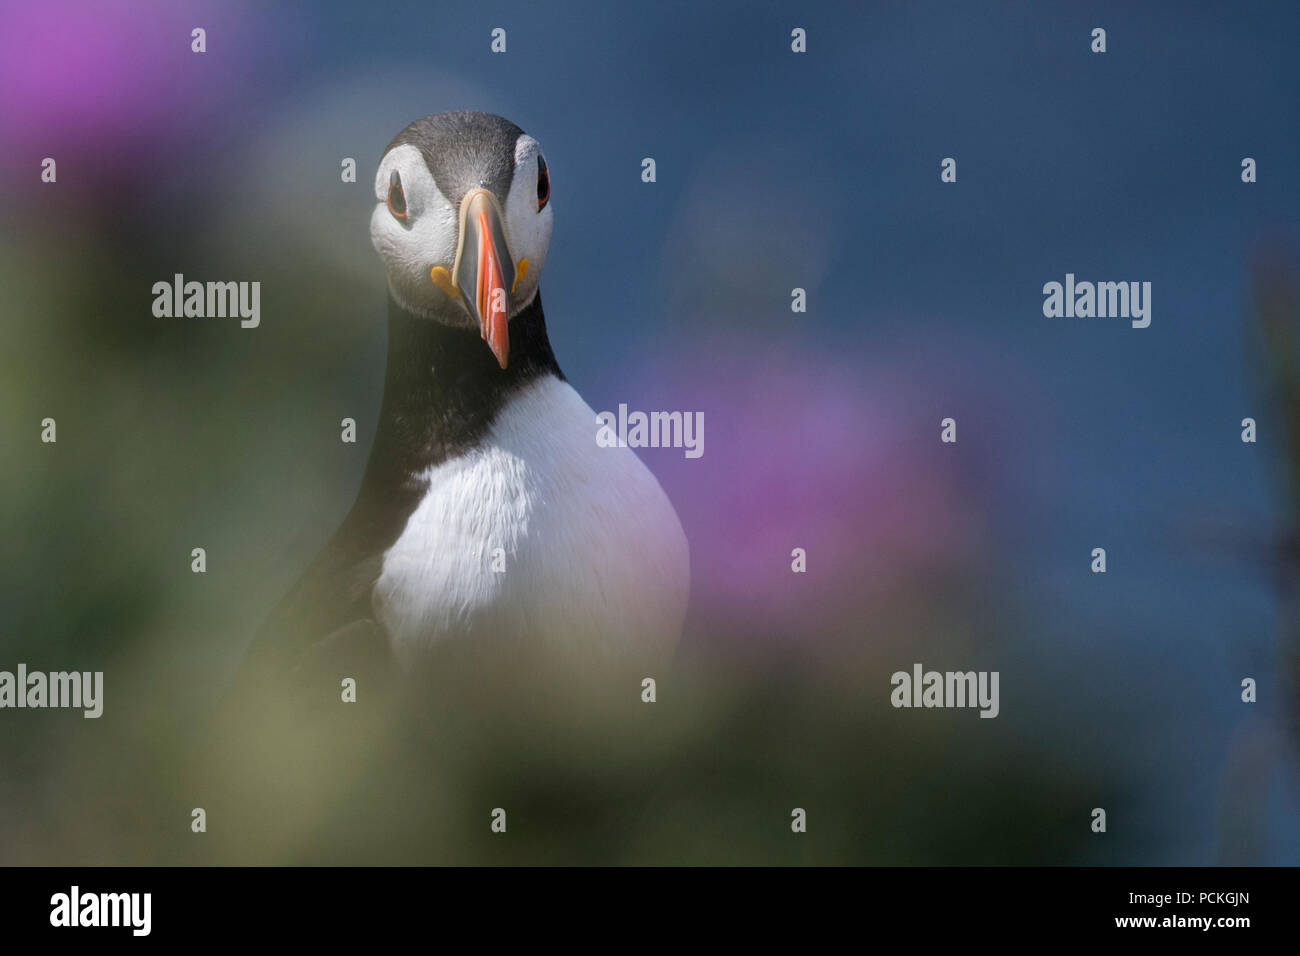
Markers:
(521, 270)
(442, 279)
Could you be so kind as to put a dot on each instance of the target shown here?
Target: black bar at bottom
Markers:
(335, 904)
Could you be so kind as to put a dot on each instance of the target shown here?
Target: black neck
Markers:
(442, 392)
(443, 389)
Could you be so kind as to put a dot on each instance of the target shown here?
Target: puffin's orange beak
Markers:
(484, 272)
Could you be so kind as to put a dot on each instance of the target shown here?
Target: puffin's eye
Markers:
(396, 198)
(543, 183)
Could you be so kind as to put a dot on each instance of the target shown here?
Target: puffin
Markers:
(490, 525)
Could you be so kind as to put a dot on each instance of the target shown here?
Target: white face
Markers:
(427, 235)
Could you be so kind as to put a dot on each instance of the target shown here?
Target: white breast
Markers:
(595, 559)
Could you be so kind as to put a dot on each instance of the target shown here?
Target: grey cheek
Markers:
(383, 241)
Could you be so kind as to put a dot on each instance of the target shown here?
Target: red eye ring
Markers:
(396, 197)
(543, 183)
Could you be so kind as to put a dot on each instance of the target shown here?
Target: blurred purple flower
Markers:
(819, 450)
(118, 82)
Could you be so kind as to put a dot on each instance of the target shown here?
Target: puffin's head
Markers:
(463, 221)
